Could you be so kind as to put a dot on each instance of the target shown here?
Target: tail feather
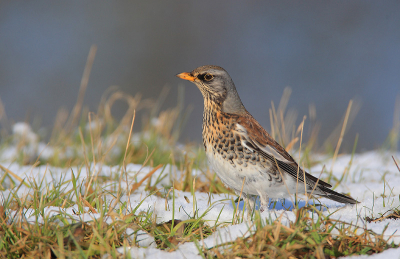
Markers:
(335, 196)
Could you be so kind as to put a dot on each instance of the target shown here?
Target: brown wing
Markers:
(259, 140)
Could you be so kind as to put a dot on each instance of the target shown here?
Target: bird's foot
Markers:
(263, 208)
(264, 203)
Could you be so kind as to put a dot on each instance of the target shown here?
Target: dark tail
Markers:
(335, 196)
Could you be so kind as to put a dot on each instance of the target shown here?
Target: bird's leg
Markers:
(264, 200)
(250, 204)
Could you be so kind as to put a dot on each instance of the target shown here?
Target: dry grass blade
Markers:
(149, 174)
(346, 118)
(13, 175)
(240, 196)
(93, 210)
(393, 138)
(82, 90)
(128, 141)
(277, 125)
(301, 127)
(390, 214)
(3, 117)
(291, 144)
(316, 183)
(284, 181)
(398, 168)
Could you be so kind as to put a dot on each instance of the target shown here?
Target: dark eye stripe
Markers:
(205, 77)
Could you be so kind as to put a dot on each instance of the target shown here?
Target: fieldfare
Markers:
(239, 149)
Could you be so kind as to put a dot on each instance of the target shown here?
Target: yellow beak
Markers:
(186, 76)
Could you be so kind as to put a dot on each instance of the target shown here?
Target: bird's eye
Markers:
(208, 77)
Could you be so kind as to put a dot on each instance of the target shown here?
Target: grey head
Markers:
(215, 83)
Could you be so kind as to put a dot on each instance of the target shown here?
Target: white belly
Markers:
(257, 182)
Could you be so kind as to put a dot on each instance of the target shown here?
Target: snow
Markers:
(189, 249)
(372, 178)
(139, 252)
(142, 238)
(392, 253)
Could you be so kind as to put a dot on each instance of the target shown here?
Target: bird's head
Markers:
(216, 84)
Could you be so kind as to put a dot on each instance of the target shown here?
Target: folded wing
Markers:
(256, 138)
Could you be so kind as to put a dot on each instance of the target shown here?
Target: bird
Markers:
(241, 152)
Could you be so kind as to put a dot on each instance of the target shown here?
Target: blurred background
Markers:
(327, 52)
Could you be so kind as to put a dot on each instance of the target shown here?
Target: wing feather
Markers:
(256, 138)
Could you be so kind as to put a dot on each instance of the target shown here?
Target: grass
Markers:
(307, 237)
(92, 212)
